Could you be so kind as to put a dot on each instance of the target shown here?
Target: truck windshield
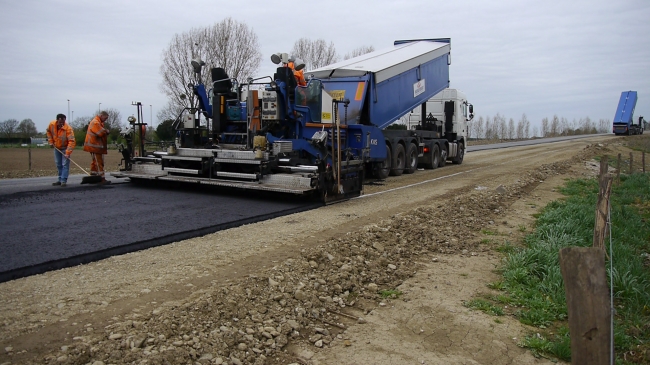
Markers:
(310, 96)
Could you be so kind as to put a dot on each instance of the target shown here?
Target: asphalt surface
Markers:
(46, 227)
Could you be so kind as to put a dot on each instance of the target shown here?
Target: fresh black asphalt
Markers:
(47, 228)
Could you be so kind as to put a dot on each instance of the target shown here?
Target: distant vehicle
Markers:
(624, 118)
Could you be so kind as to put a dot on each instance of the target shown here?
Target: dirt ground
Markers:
(307, 288)
(15, 162)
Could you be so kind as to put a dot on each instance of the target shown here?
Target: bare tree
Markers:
(358, 52)
(27, 128)
(519, 130)
(587, 126)
(114, 120)
(488, 128)
(564, 127)
(8, 127)
(314, 54)
(535, 132)
(169, 112)
(545, 128)
(604, 126)
(555, 126)
(479, 128)
(527, 126)
(511, 128)
(80, 123)
(500, 126)
(228, 44)
(521, 127)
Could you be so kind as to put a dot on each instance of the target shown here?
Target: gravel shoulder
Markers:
(305, 288)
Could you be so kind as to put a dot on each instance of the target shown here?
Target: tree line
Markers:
(497, 128)
(11, 129)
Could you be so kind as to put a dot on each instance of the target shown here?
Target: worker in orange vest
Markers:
(298, 74)
(96, 143)
(61, 136)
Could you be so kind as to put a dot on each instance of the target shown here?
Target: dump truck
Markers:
(624, 117)
(324, 138)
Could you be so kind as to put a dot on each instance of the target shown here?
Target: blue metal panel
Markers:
(359, 136)
(351, 88)
(625, 110)
(394, 97)
(391, 98)
(199, 90)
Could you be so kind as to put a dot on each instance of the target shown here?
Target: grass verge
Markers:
(532, 288)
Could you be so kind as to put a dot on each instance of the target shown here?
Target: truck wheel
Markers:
(434, 158)
(461, 155)
(382, 169)
(398, 160)
(411, 159)
(443, 156)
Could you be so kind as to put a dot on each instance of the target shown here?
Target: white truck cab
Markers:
(463, 111)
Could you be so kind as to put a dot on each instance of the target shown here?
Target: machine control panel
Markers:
(270, 109)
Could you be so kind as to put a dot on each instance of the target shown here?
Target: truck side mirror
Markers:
(471, 109)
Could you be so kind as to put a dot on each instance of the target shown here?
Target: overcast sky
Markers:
(569, 58)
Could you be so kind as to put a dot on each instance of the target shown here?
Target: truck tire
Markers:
(443, 156)
(399, 157)
(382, 169)
(460, 156)
(434, 158)
(411, 159)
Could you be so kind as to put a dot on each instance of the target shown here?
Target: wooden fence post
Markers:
(585, 287)
(602, 207)
(631, 163)
(29, 153)
(618, 168)
(587, 298)
(643, 161)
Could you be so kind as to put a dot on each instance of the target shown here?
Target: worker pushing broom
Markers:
(96, 143)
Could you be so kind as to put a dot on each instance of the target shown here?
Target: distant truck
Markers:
(624, 118)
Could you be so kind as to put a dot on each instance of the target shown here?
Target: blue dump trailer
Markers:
(624, 117)
(322, 137)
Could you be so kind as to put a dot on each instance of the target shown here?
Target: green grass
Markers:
(485, 306)
(532, 286)
(507, 247)
(390, 293)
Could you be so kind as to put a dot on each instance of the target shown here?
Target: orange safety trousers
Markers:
(97, 164)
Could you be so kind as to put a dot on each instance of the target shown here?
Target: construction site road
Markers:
(48, 228)
(309, 287)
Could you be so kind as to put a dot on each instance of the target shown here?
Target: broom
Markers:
(90, 179)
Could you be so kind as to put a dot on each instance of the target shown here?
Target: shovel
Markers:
(90, 179)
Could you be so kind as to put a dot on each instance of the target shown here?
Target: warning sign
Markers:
(418, 88)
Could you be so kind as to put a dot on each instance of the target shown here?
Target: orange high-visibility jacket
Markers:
(299, 75)
(61, 138)
(96, 137)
